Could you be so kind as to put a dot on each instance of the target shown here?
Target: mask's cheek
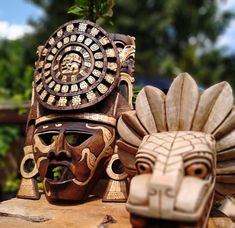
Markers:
(198, 190)
(40, 153)
(81, 168)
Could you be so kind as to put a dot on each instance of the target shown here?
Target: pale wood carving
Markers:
(82, 83)
(181, 147)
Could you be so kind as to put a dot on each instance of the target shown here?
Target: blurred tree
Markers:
(173, 35)
(16, 75)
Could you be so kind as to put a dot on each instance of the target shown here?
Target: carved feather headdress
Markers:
(184, 108)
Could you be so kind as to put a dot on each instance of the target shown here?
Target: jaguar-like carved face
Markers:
(176, 177)
(70, 156)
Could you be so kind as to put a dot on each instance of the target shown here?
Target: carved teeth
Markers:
(39, 87)
(96, 73)
(51, 84)
(110, 53)
(104, 40)
(76, 100)
(62, 101)
(47, 65)
(60, 33)
(65, 89)
(91, 79)
(66, 40)
(43, 95)
(70, 28)
(74, 88)
(52, 41)
(59, 44)
(109, 78)
(88, 41)
(73, 38)
(91, 96)
(82, 27)
(57, 88)
(83, 85)
(94, 31)
(102, 88)
(50, 57)
(98, 55)
(81, 38)
(99, 64)
(73, 78)
(54, 50)
(94, 47)
(51, 100)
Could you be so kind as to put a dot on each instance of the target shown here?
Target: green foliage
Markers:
(12, 183)
(16, 74)
(57, 172)
(39, 182)
(174, 36)
(7, 135)
(92, 9)
(217, 204)
(136, 91)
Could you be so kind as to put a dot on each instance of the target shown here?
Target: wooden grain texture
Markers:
(83, 80)
(128, 133)
(168, 159)
(150, 109)
(130, 118)
(214, 105)
(227, 126)
(181, 103)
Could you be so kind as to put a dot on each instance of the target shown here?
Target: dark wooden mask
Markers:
(82, 83)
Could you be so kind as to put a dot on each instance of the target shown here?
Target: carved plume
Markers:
(184, 109)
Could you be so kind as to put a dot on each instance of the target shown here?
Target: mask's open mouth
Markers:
(58, 174)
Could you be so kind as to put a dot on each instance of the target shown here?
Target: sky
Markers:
(13, 18)
(15, 13)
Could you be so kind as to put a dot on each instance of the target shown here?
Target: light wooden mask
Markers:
(181, 147)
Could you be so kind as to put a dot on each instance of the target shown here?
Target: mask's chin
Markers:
(59, 184)
(142, 221)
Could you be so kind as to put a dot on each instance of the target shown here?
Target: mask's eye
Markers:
(200, 170)
(75, 139)
(143, 168)
(48, 138)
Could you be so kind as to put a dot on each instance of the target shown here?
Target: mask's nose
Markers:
(163, 191)
(59, 152)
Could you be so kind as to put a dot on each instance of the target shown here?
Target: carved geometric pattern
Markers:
(78, 67)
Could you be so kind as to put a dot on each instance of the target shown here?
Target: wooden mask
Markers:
(180, 148)
(82, 83)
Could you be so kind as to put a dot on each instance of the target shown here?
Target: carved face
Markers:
(70, 156)
(176, 177)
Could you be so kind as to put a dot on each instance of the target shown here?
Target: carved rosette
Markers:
(77, 67)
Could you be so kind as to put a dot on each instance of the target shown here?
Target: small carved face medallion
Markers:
(70, 156)
(176, 177)
(71, 64)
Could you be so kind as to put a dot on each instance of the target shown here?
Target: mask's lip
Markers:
(177, 215)
(53, 164)
(52, 182)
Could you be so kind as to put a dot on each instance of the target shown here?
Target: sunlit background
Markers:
(172, 36)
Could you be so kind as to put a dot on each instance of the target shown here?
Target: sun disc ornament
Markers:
(76, 61)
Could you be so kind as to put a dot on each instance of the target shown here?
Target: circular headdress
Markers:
(77, 67)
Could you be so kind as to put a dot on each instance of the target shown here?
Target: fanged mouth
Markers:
(158, 223)
(58, 174)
